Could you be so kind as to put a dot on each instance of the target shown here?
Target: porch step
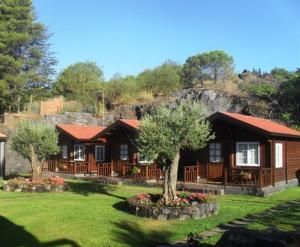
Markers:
(109, 180)
(215, 189)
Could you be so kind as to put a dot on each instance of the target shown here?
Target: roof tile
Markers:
(81, 132)
(263, 124)
(131, 122)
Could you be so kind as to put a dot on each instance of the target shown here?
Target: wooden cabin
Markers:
(247, 151)
(94, 150)
(80, 151)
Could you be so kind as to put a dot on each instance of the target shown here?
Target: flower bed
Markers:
(186, 206)
(21, 184)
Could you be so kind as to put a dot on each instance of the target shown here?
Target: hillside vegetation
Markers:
(27, 75)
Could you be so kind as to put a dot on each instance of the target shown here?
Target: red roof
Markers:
(81, 132)
(2, 136)
(131, 122)
(265, 125)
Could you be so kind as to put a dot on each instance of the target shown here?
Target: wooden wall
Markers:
(121, 135)
(293, 159)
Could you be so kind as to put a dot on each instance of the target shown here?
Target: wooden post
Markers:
(260, 177)
(184, 174)
(225, 176)
(111, 168)
(146, 172)
(75, 167)
(123, 170)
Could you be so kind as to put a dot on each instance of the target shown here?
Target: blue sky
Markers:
(128, 36)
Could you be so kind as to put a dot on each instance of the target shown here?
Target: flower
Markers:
(143, 198)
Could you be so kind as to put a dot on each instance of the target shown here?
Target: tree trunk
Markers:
(35, 164)
(170, 181)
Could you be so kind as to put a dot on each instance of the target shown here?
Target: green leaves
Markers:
(263, 90)
(215, 65)
(79, 80)
(167, 131)
(44, 139)
(25, 57)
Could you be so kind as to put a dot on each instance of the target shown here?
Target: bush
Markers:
(21, 184)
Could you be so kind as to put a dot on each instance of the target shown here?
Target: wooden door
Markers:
(215, 172)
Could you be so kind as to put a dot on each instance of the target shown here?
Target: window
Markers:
(278, 155)
(124, 152)
(247, 154)
(79, 152)
(215, 152)
(65, 151)
(100, 153)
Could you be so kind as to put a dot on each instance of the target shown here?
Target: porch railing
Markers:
(249, 177)
(104, 169)
(143, 172)
(66, 167)
(78, 167)
(190, 174)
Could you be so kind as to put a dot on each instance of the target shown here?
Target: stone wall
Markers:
(14, 162)
(162, 212)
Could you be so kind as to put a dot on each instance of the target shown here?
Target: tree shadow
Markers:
(285, 216)
(132, 234)
(87, 188)
(298, 176)
(13, 235)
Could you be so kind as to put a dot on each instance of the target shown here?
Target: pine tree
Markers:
(25, 57)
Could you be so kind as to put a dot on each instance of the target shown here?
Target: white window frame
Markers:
(79, 159)
(121, 157)
(210, 155)
(64, 153)
(103, 153)
(248, 151)
(278, 162)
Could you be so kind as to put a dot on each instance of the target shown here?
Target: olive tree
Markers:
(166, 132)
(36, 142)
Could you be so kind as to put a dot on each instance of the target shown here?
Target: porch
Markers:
(239, 176)
(108, 169)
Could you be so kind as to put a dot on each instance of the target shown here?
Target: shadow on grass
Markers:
(86, 188)
(132, 234)
(13, 235)
(284, 217)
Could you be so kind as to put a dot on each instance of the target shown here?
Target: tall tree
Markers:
(25, 57)
(161, 80)
(216, 65)
(79, 79)
(165, 133)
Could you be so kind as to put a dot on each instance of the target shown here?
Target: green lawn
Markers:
(92, 215)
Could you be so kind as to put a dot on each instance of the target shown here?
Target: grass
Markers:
(93, 215)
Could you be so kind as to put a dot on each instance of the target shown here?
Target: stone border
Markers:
(159, 212)
(35, 188)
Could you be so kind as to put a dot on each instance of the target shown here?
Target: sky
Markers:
(128, 36)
